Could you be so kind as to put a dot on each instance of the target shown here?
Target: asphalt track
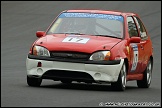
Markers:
(19, 22)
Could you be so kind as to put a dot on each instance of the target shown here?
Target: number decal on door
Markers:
(135, 57)
(76, 39)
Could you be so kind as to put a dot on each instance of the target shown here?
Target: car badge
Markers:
(69, 55)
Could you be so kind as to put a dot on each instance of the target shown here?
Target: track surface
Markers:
(19, 22)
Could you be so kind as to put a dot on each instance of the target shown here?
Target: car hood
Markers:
(77, 43)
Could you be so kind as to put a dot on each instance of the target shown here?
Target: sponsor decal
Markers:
(91, 15)
(72, 39)
(135, 57)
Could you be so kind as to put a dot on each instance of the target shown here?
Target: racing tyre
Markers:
(66, 81)
(146, 81)
(120, 85)
(35, 82)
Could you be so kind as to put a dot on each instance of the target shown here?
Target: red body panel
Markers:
(95, 43)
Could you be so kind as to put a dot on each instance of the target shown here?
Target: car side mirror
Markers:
(135, 40)
(40, 33)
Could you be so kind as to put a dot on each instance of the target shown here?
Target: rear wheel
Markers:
(146, 81)
(35, 82)
(120, 85)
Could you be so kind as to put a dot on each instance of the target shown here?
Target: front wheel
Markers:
(120, 85)
(35, 82)
(146, 81)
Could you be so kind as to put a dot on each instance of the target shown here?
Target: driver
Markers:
(81, 25)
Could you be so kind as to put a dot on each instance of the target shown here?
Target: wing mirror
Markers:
(135, 40)
(40, 33)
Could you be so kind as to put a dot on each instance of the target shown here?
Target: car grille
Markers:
(64, 74)
(70, 55)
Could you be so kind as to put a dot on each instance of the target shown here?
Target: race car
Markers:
(92, 46)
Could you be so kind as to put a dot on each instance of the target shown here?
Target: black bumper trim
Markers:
(114, 62)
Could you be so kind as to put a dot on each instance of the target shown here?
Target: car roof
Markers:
(104, 12)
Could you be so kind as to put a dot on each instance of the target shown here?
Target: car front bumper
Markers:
(99, 71)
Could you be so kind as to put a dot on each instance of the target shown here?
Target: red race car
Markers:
(92, 46)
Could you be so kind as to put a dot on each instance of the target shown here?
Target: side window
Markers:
(132, 27)
(141, 28)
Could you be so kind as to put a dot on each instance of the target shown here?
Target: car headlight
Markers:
(40, 51)
(101, 55)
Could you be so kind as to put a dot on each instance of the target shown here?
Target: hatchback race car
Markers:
(92, 46)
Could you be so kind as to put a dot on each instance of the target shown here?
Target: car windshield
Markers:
(88, 23)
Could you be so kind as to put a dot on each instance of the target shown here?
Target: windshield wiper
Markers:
(68, 33)
(71, 33)
(75, 33)
(108, 36)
